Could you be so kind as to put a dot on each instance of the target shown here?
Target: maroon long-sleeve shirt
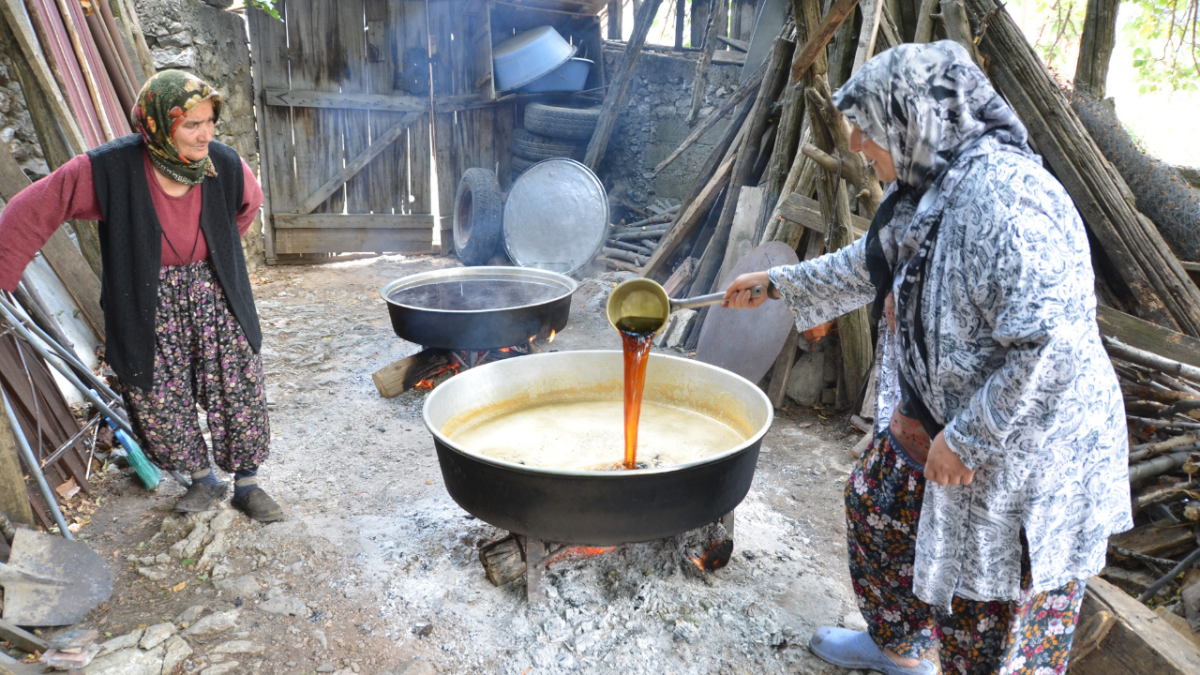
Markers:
(30, 219)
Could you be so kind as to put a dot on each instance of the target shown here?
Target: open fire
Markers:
(431, 366)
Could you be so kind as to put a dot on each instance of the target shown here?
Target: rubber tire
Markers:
(558, 122)
(478, 211)
(536, 147)
(520, 165)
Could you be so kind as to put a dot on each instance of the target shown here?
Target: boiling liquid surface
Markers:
(476, 294)
(588, 435)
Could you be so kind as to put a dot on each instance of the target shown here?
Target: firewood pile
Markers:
(630, 244)
(782, 170)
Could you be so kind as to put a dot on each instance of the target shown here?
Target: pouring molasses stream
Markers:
(639, 309)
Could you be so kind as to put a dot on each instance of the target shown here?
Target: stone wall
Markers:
(186, 34)
(651, 125)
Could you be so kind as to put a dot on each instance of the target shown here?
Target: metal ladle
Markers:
(646, 299)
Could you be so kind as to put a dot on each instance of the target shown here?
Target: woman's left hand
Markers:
(944, 467)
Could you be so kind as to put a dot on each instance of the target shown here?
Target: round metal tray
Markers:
(555, 216)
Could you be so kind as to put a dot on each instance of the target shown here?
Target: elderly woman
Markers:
(998, 467)
(179, 314)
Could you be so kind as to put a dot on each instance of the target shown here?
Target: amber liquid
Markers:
(636, 336)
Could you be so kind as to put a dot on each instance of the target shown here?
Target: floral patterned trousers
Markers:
(203, 359)
(1031, 636)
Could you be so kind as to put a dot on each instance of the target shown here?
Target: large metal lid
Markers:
(555, 216)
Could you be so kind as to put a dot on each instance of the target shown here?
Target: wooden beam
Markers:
(616, 88)
(689, 218)
(700, 79)
(338, 221)
(782, 372)
(1138, 641)
(1148, 336)
(872, 16)
(815, 46)
(362, 240)
(807, 212)
(740, 45)
(728, 57)
(21, 638)
(355, 165)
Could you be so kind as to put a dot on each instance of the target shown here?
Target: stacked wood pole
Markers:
(1147, 274)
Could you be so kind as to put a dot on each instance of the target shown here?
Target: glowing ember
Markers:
(577, 552)
(532, 338)
(552, 334)
(716, 557)
(430, 382)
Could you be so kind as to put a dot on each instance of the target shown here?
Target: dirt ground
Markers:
(375, 569)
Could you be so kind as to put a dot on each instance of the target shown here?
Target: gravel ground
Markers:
(376, 571)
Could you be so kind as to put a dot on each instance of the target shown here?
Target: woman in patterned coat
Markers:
(998, 468)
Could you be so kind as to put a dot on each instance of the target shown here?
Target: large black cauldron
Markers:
(598, 507)
(478, 307)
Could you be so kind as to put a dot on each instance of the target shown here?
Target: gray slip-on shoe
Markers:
(855, 649)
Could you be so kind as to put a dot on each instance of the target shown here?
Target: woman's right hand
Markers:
(737, 296)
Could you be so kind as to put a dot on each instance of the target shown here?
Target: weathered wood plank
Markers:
(254, 18)
(807, 212)
(410, 23)
(355, 240)
(689, 218)
(354, 165)
(13, 498)
(330, 221)
(821, 36)
(1138, 641)
(312, 40)
(356, 136)
(1148, 336)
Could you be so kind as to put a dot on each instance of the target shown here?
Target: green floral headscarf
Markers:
(164, 101)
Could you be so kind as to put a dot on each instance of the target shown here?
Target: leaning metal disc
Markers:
(555, 216)
(746, 341)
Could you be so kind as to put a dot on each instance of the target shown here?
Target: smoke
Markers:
(1161, 192)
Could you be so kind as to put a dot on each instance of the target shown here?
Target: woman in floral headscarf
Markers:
(998, 467)
(179, 315)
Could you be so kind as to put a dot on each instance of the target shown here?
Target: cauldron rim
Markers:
(602, 475)
(566, 284)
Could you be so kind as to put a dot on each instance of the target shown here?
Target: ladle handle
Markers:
(710, 299)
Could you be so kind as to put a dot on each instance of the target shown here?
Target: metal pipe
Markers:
(63, 370)
(65, 353)
(1175, 571)
(31, 462)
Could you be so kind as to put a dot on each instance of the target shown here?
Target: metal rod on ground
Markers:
(66, 354)
(31, 461)
(1166, 578)
(116, 415)
(66, 372)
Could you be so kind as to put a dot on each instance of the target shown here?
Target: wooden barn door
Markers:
(342, 98)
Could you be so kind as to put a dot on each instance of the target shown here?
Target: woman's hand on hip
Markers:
(737, 296)
(944, 467)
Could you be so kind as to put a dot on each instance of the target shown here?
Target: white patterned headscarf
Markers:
(926, 104)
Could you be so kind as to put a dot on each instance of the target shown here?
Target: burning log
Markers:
(400, 376)
(716, 556)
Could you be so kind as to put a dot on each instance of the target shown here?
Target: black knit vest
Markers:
(131, 250)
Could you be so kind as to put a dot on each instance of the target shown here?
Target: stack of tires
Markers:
(552, 131)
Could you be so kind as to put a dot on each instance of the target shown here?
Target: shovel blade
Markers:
(51, 581)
